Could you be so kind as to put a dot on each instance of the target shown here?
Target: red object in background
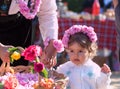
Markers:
(96, 8)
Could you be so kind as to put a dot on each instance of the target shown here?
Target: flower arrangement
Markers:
(18, 81)
(38, 78)
(9, 81)
(44, 83)
(33, 53)
(31, 81)
(55, 81)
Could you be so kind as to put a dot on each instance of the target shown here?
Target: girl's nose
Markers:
(76, 55)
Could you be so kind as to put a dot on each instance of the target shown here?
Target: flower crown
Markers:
(89, 31)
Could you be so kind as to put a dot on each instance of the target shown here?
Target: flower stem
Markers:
(37, 59)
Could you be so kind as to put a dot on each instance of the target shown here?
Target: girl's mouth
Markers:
(76, 60)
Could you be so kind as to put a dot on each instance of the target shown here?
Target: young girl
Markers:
(83, 73)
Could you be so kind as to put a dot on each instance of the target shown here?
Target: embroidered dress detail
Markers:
(90, 74)
(68, 72)
(29, 12)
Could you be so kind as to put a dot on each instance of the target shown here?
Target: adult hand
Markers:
(49, 55)
(2, 68)
(20, 48)
(4, 54)
(115, 3)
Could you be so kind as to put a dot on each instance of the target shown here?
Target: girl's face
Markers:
(78, 55)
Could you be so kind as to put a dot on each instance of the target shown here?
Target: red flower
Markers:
(38, 67)
(11, 82)
(32, 52)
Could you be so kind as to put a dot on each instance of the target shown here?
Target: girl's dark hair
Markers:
(84, 41)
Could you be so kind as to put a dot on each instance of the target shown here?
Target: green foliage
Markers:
(13, 49)
(75, 5)
(1, 86)
(44, 73)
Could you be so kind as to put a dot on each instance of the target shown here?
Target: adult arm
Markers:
(115, 3)
(48, 25)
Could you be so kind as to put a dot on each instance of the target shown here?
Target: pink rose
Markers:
(32, 52)
(38, 67)
(58, 45)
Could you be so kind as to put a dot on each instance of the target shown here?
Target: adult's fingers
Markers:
(20, 48)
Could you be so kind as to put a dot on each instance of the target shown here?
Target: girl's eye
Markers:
(71, 50)
(80, 51)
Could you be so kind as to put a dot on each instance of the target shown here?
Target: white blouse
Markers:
(87, 76)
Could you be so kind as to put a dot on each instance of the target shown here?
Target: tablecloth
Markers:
(105, 30)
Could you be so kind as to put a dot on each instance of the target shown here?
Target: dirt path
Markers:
(115, 84)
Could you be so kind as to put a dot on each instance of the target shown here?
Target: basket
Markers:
(60, 81)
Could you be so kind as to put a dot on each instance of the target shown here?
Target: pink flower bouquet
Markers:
(38, 78)
(47, 80)
(32, 54)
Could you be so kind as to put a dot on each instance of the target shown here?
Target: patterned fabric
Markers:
(105, 31)
(4, 7)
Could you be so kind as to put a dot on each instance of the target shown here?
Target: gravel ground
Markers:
(115, 84)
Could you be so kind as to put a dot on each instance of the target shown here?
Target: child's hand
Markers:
(105, 69)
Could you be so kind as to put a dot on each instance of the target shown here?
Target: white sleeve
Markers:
(103, 82)
(63, 68)
(60, 69)
(48, 22)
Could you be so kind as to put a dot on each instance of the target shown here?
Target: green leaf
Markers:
(1, 86)
(32, 69)
(13, 49)
(45, 73)
(11, 60)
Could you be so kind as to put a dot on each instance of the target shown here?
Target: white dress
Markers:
(87, 76)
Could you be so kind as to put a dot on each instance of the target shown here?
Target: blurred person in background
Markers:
(87, 6)
(105, 4)
(16, 18)
(116, 4)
